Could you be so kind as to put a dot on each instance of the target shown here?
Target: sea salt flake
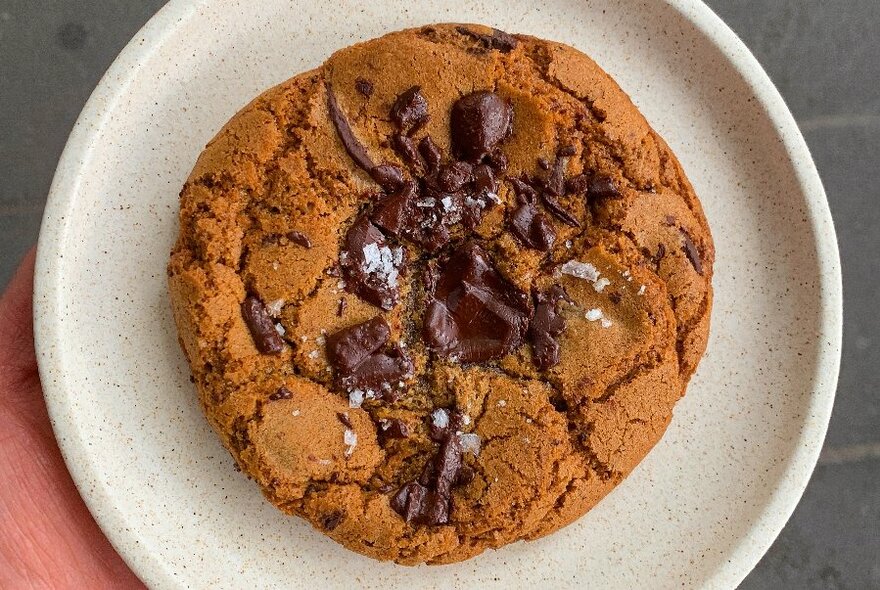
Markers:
(274, 307)
(600, 284)
(594, 315)
(494, 198)
(642, 290)
(474, 203)
(426, 202)
(465, 420)
(350, 438)
(440, 418)
(314, 354)
(295, 413)
(448, 205)
(502, 403)
(568, 244)
(606, 323)
(274, 265)
(340, 285)
(581, 270)
(355, 398)
(381, 263)
(304, 338)
(280, 329)
(320, 340)
(470, 443)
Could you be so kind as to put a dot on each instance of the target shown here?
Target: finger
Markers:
(47, 536)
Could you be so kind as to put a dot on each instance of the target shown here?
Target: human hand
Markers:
(48, 539)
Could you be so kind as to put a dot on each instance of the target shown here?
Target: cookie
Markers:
(443, 292)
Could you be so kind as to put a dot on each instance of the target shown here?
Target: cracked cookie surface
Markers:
(442, 293)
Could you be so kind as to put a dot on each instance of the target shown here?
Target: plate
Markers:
(698, 512)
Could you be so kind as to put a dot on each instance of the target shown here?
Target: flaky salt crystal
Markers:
(440, 418)
(642, 290)
(470, 443)
(280, 329)
(600, 284)
(594, 315)
(581, 270)
(606, 323)
(274, 307)
(355, 398)
(314, 354)
(350, 438)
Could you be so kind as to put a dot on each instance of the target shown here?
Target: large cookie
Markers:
(441, 293)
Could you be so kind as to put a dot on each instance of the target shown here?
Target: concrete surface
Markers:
(823, 54)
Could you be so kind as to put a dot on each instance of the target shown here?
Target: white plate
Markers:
(699, 511)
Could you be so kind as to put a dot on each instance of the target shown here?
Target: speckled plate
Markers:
(698, 512)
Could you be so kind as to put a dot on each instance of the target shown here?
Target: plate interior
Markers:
(701, 508)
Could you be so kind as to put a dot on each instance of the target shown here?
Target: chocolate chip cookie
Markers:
(442, 293)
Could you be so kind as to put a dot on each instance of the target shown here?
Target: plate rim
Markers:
(124, 70)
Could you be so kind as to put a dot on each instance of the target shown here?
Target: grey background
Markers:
(823, 54)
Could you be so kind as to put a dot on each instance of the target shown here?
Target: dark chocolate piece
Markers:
(343, 303)
(603, 187)
(299, 239)
(346, 421)
(503, 42)
(474, 314)
(394, 428)
(453, 177)
(691, 251)
(355, 148)
(406, 147)
(577, 185)
(282, 393)
(332, 520)
(479, 122)
(410, 109)
(546, 327)
(357, 355)
(532, 228)
(364, 86)
(262, 328)
(431, 153)
(388, 176)
(373, 278)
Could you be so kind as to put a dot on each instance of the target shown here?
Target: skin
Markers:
(48, 539)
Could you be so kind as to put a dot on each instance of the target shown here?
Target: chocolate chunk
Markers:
(355, 148)
(465, 475)
(364, 86)
(577, 185)
(431, 153)
(447, 463)
(454, 176)
(615, 298)
(603, 187)
(498, 160)
(346, 421)
(419, 218)
(262, 328)
(661, 252)
(479, 122)
(484, 180)
(543, 163)
(409, 501)
(388, 176)
(474, 314)
(525, 193)
(555, 184)
(282, 393)
(357, 356)
(349, 347)
(343, 303)
(532, 228)
(370, 267)
(332, 520)
(503, 42)
(670, 221)
(546, 327)
(406, 147)
(690, 249)
(394, 428)
(393, 213)
(379, 370)
(410, 109)
(299, 239)
(554, 207)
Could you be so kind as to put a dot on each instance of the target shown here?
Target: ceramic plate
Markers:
(699, 511)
